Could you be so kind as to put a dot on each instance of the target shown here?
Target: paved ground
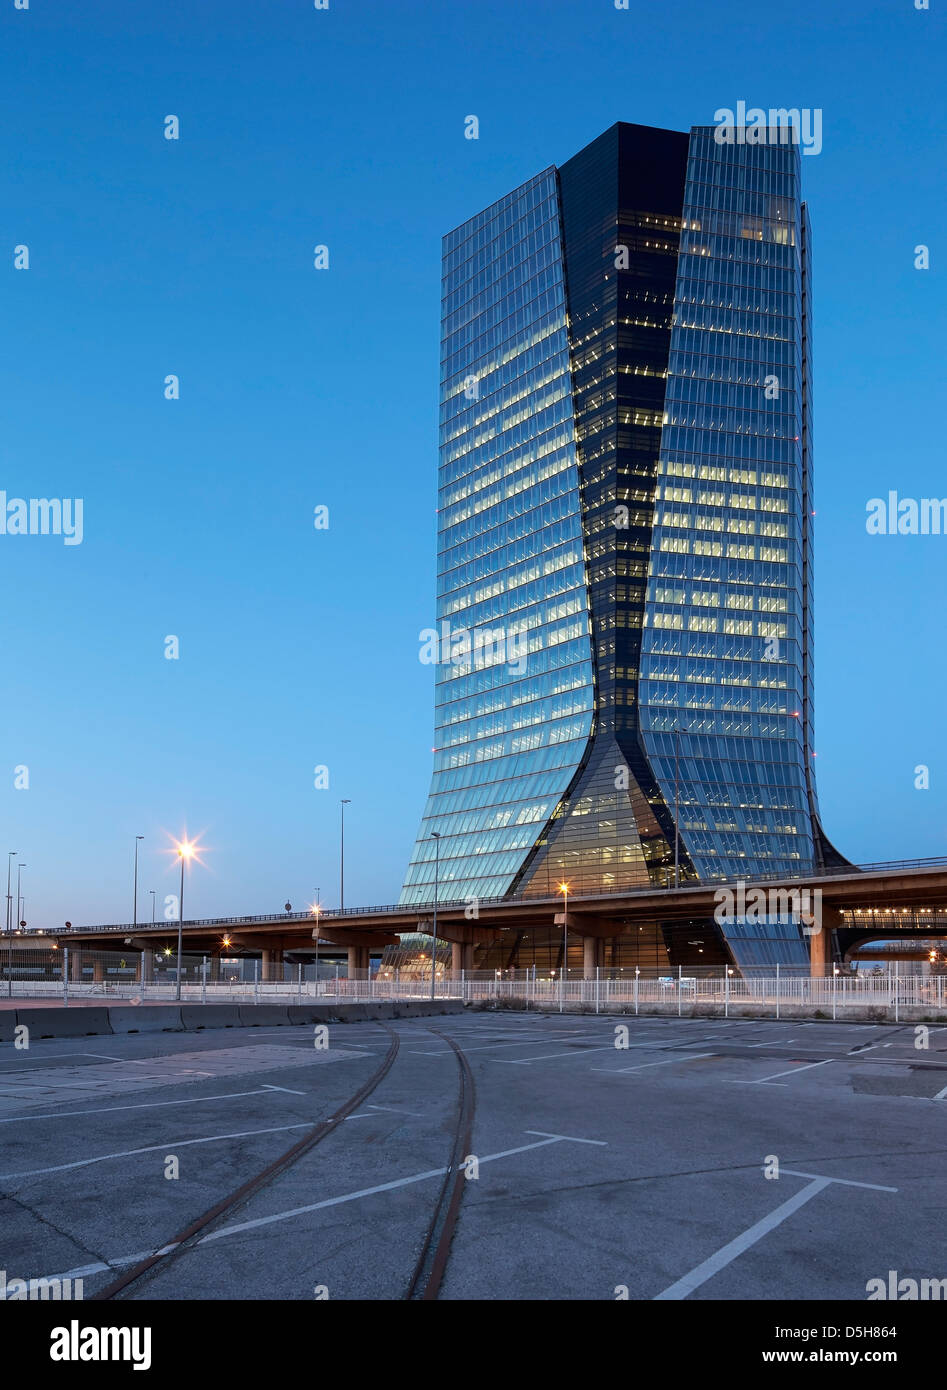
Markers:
(599, 1169)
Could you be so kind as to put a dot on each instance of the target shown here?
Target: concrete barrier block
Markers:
(78, 1022)
(196, 1016)
(146, 1018)
(263, 1015)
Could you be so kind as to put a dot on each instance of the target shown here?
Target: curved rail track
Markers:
(428, 1273)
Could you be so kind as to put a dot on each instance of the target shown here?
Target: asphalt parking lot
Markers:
(597, 1171)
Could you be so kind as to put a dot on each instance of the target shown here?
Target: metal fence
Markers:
(69, 974)
(686, 992)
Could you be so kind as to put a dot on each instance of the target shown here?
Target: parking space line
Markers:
(145, 1105)
(669, 1061)
(226, 1231)
(150, 1148)
(728, 1253)
(792, 1071)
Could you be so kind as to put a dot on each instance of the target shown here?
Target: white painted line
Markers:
(670, 1061)
(549, 1056)
(122, 1260)
(284, 1088)
(146, 1105)
(940, 1094)
(842, 1182)
(779, 1042)
(792, 1071)
(151, 1148)
(708, 1268)
(355, 1196)
(488, 1047)
(569, 1138)
(395, 1111)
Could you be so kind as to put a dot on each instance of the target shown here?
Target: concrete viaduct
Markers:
(857, 904)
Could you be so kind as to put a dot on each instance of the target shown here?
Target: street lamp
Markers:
(152, 892)
(19, 911)
(316, 909)
(564, 890)
(436, 837)
(10, 857)
(135, 902)
(342, 805)
(185, 852)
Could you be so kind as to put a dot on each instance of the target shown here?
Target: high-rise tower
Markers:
(624, 682)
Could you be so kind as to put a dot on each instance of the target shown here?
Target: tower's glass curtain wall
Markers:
(626, 489)
(513, 716)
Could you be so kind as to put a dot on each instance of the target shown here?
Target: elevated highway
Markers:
(843, 907)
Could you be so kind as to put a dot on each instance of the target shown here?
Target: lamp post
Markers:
(152, 892)
(436, 837)
(19, 914)
(317, 908)
(185, 852)
(11, 855)
(564, 890)
(342, 805)
(135, 900)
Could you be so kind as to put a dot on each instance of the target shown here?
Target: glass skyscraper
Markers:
(624, 613)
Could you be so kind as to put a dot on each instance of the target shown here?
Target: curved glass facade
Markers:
(625, 508)
(723, 658)
(514, 714)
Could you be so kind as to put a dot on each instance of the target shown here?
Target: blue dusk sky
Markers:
(299, 388)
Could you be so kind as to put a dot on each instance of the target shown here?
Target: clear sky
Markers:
(299, 387)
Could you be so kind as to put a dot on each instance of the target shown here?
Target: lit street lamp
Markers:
(185, 852)
(564, 890)
(316, 909)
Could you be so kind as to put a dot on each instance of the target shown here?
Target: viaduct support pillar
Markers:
(272, 964)
(358, 959)
(593, 955)
(461, 958)
(820, 942)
